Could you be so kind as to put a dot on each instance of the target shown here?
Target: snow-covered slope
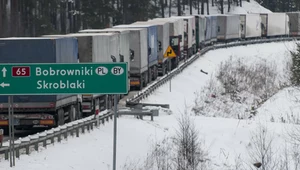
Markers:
(226, 139)
(247, 7)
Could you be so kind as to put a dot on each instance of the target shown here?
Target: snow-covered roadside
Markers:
(226, 139)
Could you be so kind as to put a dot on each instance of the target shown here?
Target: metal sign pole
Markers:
(10, 130)
(13, 129)
(115, 132)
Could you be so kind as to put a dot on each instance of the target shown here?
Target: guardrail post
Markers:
(36, 146)
(18, 152)
(88, 127)
(52, 139)
(82, 128)
(27, 148)
(58, 137)
(66, 133)
(97, 122)
(103, 121)
(77, 131)
(92, 126)
(71, 132)
(6, 155)
(45, 143)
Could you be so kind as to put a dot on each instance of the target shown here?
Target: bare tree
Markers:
(262, 153)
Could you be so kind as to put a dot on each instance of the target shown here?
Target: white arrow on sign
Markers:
(4, 72)
(4, 85)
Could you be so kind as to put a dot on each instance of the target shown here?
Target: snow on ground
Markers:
(247, 7)
(283, 107)
(226, 139)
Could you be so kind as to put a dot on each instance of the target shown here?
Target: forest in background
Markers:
(39, 17)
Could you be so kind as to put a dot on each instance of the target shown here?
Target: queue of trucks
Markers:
(141, 44)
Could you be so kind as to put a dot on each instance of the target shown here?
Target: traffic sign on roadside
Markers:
(169, 53)
(56, 78)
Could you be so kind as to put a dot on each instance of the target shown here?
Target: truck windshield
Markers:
(174, 42)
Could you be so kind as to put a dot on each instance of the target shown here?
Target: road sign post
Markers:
(77, 78)
(57, 78)
(169, 53)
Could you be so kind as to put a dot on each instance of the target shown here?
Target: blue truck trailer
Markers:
(39, 110)
(152, 51)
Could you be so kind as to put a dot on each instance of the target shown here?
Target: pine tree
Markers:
(295, 69)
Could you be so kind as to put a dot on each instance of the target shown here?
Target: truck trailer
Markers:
(228, 27)
(294, 23)
(125, 54)
(176, 33)
(250, 26)
(163, 37)
(96, 48)
(152, 51)
(274, 24)
(138, 45)
(200, 31)
(190, 31)
(32, 111)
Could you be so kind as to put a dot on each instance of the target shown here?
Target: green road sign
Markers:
(52, 78)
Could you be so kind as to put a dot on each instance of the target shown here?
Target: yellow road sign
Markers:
(169, 53)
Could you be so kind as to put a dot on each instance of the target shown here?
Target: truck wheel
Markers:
(145, 82)
(163, 70)
(60, 117)
(155, 72)
(78, 111)
(141, 83)
(151, 74)
(72, 113)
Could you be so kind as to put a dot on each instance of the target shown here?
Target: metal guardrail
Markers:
(87, 124)
(145, 93)
(59, 133)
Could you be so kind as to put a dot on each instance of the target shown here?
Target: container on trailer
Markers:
(250, 25)
(228, 27)
(214, 30)
(151, 41)
(189, 22)
(176, 28)
(95, 47)
(163, 36)
(38, 50)
(294, 23)
(123, 37)
(200, 30)
(263, 24)
(208, 29)
(277, 24)
(139, 44)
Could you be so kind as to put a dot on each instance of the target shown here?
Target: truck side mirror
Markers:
(113, 58)
(159, 46)
(149, 51)
(121, 58)
(131, 55)
(180, 38)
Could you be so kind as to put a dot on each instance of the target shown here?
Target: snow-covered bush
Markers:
(184, 151)
(295, 68)
(238, 88)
